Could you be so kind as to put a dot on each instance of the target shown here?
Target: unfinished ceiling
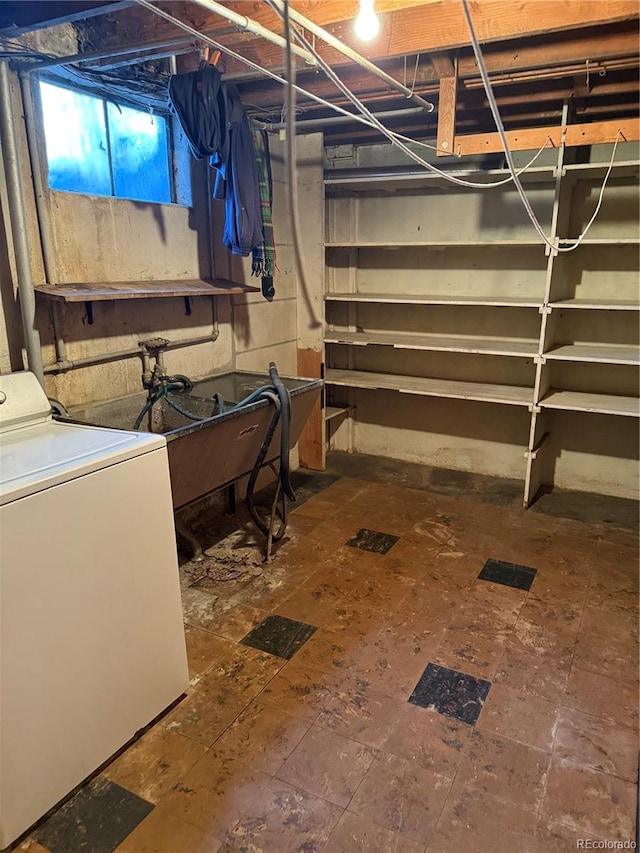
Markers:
(540, 54)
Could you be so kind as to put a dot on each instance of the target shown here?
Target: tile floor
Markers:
(413, 673)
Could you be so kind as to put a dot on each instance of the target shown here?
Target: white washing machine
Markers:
(91, 634)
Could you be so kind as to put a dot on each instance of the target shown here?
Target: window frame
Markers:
(165, 115)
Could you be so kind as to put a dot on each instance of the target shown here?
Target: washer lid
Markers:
(36, 457)
(22, 401)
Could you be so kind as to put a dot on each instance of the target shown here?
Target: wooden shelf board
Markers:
(598, 304)
(419, 299)
(507, 394)
(601, 241)
(107, 291)
(577, 401)
(621, 169)
(331, 412)
(599, 353)
(430, 244)
(437, 343)
(381, 181)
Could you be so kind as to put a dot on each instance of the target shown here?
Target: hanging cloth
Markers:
(198, 100)
(264, 255)
(239, 180)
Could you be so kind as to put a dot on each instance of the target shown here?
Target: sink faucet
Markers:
(153, 348)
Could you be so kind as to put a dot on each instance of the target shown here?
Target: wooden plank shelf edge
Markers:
(107, 291)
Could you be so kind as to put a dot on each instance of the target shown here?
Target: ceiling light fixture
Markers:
(367, 24)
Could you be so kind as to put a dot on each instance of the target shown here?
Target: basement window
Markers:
(97, 147)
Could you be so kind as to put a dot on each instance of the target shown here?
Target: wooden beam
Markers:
(446, 115)
(311, 447)
(612, 42)
(410, 27)
(530, 139)
(442, 64)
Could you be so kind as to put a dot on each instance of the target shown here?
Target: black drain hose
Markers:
(285, 435)
(280, 399)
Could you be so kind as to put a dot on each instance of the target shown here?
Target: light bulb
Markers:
(367, 24)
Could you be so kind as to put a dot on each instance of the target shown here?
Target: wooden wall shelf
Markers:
(107, 291)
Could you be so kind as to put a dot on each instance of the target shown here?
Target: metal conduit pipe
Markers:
(19, 226)
(42, 212)
(351, 54)
(313, 123)
(247, 25)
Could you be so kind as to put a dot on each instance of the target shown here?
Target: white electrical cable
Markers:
(514, 174)
(393, 137)
(360, 119)
(498, 120)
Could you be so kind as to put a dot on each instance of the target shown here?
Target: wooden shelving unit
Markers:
(409, 281)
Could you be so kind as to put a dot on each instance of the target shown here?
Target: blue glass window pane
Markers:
(76, 141)
(139, 154)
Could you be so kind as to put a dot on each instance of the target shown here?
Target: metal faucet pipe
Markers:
(19, 226)
(351, 54)
(247, 25)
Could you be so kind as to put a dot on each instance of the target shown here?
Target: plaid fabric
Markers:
(264, 256)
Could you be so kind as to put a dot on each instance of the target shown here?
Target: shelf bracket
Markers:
(88, 307)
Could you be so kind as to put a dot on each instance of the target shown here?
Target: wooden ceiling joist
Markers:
(410, 28)
(529, 139)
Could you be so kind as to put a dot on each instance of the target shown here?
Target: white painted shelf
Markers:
(601, 241)
(598, 304)
(621, 169)
(331, 412)
(420, 299)
(597, 353)
(431, 244)
(508, 394)
(577, 401)
(385, 181)
(437, 343)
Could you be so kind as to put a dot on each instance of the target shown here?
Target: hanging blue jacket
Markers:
(237, 180)
(216, 125)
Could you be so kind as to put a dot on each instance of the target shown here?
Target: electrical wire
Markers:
(514, 175)
(393, 137)
(505, 144)
(361, 119)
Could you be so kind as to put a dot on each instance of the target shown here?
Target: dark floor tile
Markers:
(451, 693)
(96, 820)
(279, 636)
(508, 574)
(372, 540)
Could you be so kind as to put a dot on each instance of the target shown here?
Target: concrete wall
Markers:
(98, 239)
